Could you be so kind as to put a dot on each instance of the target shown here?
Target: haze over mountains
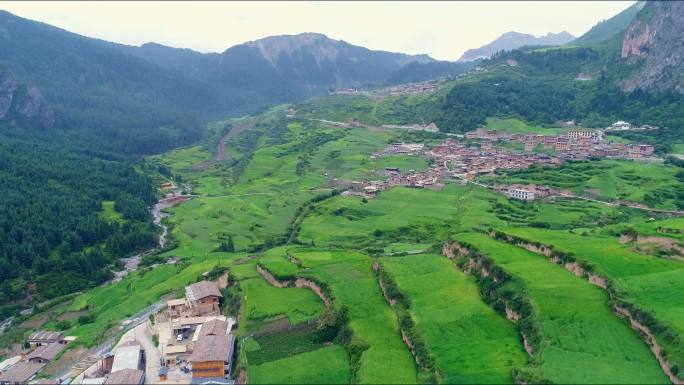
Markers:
(512, 40)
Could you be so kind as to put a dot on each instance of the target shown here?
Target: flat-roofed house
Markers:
(176, 307)
(204, 298)
(126, 376)
(212, 354)
(128, 357)
(45, 353)
(21, 373)
(42, 337)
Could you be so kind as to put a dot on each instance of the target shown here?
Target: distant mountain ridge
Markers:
(608, 28)
(512, 40)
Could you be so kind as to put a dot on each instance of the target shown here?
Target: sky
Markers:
(444, 30)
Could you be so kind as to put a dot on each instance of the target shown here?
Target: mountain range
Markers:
(512, 40)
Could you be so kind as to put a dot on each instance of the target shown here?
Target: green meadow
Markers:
(517, 126)
(471, 343)
(582, 340)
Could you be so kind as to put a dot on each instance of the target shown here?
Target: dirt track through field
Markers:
(221, 154)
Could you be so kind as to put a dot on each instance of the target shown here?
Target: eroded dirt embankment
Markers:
(579, 270)
(474, 265)
(298, 282)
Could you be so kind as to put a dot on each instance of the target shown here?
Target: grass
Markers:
(350, 276)
(471, 343)
(678, 148)
(265, 301)
(652, 284)
(109, 214)
(515, 126)
(582, 340)
(327, 365)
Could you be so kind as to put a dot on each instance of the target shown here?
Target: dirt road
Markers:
(221, 154)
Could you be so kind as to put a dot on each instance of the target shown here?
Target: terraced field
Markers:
(582, 340)
(652, 284)
(471, 343)
(351, 278)
(263, 199)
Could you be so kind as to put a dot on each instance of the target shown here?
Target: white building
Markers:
(521, 194)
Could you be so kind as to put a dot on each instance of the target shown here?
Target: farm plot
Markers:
(327, 365)
(653, 284)
(264, 302)
(470, 342)
(582, 340)
(351, 279)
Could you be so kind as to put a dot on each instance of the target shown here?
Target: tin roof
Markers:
(21, 372)
(46, 352)
(43, 335)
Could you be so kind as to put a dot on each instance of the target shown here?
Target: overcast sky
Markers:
(441, 29)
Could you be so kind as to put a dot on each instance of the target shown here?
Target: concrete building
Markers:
(522, 194)
(128, 357)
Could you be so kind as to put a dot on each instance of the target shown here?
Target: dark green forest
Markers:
(50, 229)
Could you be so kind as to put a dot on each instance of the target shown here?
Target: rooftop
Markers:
(214, 327)
(42, 335)
(213, 348)
(126, 376)
(201, 290)
(46, 352)
(21, 372)
(126, 357)
(175, 302)
(8, 363)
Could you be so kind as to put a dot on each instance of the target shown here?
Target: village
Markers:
(484, 151)
(187, 341)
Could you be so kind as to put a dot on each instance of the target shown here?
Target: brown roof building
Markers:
(213, 352)
(45, 353)
(21, 373)
(204, 298)
(126, 376)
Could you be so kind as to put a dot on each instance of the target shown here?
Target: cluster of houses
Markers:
(410, 89)
(571, 144)
(199, 335)
(194, 346)
(485, 151)
(44, 347)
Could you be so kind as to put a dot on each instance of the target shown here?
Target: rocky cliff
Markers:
(654, 45)
(23, 105)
